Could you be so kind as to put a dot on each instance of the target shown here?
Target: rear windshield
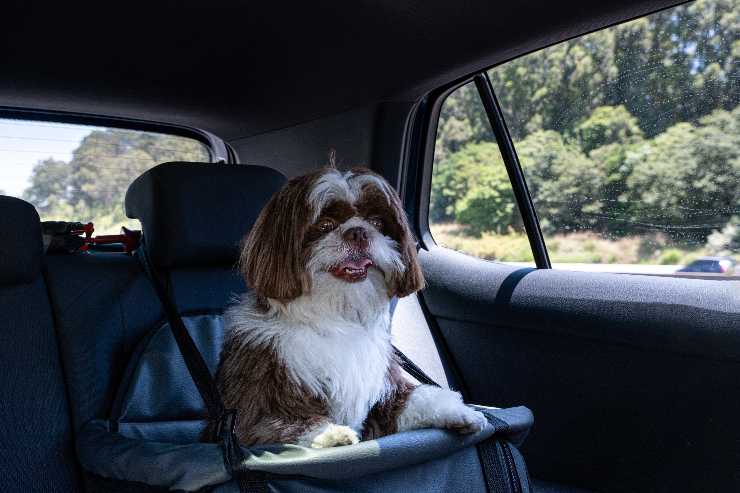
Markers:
(81, 173)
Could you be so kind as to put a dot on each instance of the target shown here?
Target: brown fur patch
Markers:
(271, 407)
(273, 259)
(382, 419)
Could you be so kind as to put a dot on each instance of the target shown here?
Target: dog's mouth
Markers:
(352, 269)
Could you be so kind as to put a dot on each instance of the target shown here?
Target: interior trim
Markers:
(215, 145)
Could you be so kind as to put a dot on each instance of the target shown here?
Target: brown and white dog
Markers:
(307, 357)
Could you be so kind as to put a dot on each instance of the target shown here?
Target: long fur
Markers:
(308, 357)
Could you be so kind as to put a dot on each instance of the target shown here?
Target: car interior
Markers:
(631, 375)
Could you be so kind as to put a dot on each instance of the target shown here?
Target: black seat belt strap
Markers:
(412, 369)
(225, 419)
(496, 464)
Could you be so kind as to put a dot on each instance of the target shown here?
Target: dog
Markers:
(307, 358)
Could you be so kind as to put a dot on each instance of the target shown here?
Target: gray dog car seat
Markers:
(151, 440)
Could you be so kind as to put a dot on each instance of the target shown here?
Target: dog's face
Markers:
(328, 222)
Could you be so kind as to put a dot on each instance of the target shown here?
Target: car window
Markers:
(81, 173)
(472, 207)
(629, 139)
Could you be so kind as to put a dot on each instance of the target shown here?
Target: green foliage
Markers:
(48, 190)
(669, 67)
(688, 176)
(562, 180)
(471, 187)
(608, 125)
(626, 131)
(462, 121)
(92, 185)
(671, 256)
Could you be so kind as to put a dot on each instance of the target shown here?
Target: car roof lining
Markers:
(241, 70)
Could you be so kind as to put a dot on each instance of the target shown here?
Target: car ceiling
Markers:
(243, 68)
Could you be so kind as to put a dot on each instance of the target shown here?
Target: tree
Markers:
(462, 120)
(92, 185)
(49, 190)
(489, 203)
(563, 181)
(607, 136)
(107, 160)
(555, 88)
(686, 181)
(608, 125)
(679, 64)
(472, 188)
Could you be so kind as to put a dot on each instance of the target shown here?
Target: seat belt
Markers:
(224, 434)
(412, 369)
(493, 462)
(498, 467)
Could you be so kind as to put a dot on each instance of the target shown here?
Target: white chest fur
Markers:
(345, 365)
(335, 342)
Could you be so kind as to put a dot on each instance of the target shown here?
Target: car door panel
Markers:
(633, 380)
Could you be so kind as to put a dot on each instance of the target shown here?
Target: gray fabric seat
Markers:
(36, 451)
(105, 305)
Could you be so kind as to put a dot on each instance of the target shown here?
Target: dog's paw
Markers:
(466, 420)
(433, 407)
(334, 436)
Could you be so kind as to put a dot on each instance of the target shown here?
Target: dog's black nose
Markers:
(357, 234)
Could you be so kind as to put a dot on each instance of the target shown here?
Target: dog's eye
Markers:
(376, 222)
(325, 225)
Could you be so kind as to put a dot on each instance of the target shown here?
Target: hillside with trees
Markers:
(629, 132)
(92, 185)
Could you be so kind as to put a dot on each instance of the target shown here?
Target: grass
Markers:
(580, 247)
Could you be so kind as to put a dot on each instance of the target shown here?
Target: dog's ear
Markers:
(378, 196)
(411, 279)
(272, 259)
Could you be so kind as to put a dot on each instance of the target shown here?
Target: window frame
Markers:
(421, 132)
(421, 139)
(218, 150)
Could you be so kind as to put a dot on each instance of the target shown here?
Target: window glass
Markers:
(472, 207)
(630, 140)
(81, 173)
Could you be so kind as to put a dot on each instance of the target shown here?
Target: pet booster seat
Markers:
(152, 439)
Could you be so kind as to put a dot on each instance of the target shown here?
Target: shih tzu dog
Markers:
(307, 357)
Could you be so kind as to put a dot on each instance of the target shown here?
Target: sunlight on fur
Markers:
(308, 357)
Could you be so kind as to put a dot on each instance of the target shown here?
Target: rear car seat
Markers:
(36, 451)
(193, 228)
(105, 304)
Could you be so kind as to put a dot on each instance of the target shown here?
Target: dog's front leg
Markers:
(428, 406)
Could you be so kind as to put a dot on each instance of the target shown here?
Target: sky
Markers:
(24, 143)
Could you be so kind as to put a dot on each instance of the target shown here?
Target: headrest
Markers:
(21, 248)
(198, 213)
